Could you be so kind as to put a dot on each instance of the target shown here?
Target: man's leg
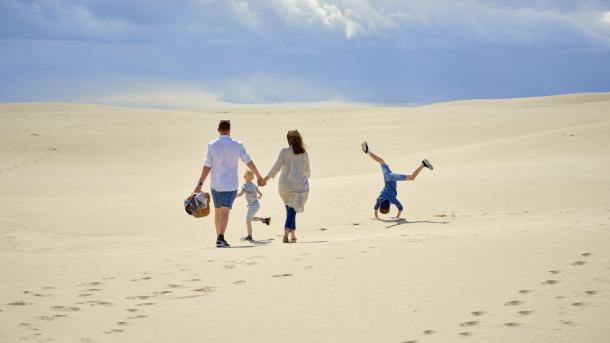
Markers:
(217, 216)
(224, 219)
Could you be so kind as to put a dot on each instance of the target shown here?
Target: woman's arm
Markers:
(277, 166)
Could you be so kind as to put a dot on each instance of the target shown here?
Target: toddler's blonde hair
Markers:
(248, 175)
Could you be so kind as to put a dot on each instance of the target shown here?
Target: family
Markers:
(221, 163)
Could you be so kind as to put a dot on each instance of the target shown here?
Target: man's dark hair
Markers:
(224, 125)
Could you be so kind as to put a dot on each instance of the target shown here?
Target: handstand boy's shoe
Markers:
(365, 147)
(267, 221)
(427, 164)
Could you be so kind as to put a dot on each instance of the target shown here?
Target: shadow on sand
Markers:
(397, 222)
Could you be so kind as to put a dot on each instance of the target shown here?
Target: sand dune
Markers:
(505, 241)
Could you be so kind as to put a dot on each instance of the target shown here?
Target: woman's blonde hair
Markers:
(295, 141)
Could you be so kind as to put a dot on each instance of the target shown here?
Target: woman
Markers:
(293, 185)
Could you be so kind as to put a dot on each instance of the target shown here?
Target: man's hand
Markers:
(260, 195)
(398, 215)
(376, 216)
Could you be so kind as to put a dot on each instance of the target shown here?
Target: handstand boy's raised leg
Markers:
(365, 149)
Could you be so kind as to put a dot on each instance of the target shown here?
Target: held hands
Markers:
(261, 182)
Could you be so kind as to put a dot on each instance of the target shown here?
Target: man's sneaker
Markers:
(365, 147)
(247, 238)
(267, 221)
(427, 164)
(222, 244)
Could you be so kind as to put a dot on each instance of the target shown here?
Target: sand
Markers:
(505, 241)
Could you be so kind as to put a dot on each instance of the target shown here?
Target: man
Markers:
(221, 162)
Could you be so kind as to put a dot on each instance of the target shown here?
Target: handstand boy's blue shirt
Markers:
(389, 193)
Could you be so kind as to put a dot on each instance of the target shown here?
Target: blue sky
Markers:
(194, 52)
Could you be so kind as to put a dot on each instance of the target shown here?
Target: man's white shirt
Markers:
(222, 158)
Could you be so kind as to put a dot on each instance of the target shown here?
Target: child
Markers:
(251, 191)
(389, 193)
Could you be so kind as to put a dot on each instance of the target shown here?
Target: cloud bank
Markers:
(248, 51)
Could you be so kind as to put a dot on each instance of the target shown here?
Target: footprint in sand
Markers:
(465, 334)
(17, 303)
(65, 308)
(356, 224)
(139, 297)
(411, 341)
(578, 304)
(586, 254)
(98, 303)
(282, 275)
(525, 313)
(122, 323)
(204, 290)
(131, 309)
(145, 304)
(550, 282)
(513, 303)
(239, 282)
(171, 285)
(579, 263)
(307, 267)
(470, 323)
(477, 313)
(512, 324)
(554, 272)
(428, 332)
(525, 291)
(591, 292)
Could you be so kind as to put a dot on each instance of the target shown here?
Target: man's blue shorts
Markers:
(224, 199)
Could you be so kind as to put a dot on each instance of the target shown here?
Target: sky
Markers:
(189, 53)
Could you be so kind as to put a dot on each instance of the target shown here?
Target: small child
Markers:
(389, 192)
(251, 191)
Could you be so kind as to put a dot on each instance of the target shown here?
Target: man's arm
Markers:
(376, 215)
(204, 174)
(259, 177)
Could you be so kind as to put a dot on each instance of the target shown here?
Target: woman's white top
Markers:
(293, 184)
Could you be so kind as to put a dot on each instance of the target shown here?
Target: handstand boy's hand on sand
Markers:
(388, 193)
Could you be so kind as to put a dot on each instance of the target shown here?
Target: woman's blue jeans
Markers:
(291, 218)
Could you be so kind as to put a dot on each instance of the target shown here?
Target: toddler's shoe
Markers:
(267, 221)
